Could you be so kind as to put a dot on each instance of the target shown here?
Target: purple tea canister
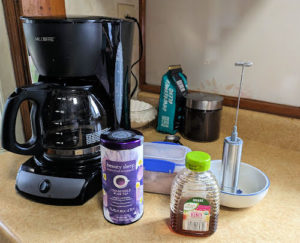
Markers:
(122, 176)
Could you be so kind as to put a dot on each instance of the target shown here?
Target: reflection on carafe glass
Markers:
(73, 121)
(69, 137)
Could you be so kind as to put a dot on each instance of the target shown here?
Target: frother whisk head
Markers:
(244, 64)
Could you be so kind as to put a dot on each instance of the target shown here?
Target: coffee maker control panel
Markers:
(49, 186)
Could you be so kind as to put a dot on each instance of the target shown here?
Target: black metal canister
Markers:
(202, 117)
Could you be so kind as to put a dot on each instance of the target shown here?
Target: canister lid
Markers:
(122, 139)
(203, 101)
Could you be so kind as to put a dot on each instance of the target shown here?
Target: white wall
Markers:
(108, 8)
(207, 36)
(7, 78)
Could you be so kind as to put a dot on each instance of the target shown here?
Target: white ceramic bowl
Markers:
(253, 183)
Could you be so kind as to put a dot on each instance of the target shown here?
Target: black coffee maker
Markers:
(83, 90)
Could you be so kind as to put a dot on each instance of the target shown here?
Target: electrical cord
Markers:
(140, 56)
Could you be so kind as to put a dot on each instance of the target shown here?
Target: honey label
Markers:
(196, 214)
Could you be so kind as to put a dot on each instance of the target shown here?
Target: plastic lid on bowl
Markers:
(197, 161)
(203, 101)
(168, 152)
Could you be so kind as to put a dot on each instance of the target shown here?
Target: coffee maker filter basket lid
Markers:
(71, 19)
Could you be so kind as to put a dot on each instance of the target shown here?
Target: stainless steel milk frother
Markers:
(232, 149)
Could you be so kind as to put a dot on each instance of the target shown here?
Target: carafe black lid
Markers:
(71, 19)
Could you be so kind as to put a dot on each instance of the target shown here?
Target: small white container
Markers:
(162, 161)
(141, 113)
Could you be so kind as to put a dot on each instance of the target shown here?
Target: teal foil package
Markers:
(172, 100)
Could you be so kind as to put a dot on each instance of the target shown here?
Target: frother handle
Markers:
(230, 170)
(9, 142)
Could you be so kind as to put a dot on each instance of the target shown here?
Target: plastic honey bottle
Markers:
(195, 197)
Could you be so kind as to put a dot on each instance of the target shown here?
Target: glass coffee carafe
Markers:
(66, 121)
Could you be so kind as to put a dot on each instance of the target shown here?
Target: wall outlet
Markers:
(125, 9)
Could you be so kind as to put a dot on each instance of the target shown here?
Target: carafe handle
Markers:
(9, 142)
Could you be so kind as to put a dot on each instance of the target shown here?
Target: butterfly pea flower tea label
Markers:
(122, 181)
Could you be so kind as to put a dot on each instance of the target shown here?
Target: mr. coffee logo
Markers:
(45, 38)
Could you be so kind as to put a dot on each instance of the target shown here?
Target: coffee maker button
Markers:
(45, 186)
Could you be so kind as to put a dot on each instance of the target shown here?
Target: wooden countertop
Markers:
(275, 219)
